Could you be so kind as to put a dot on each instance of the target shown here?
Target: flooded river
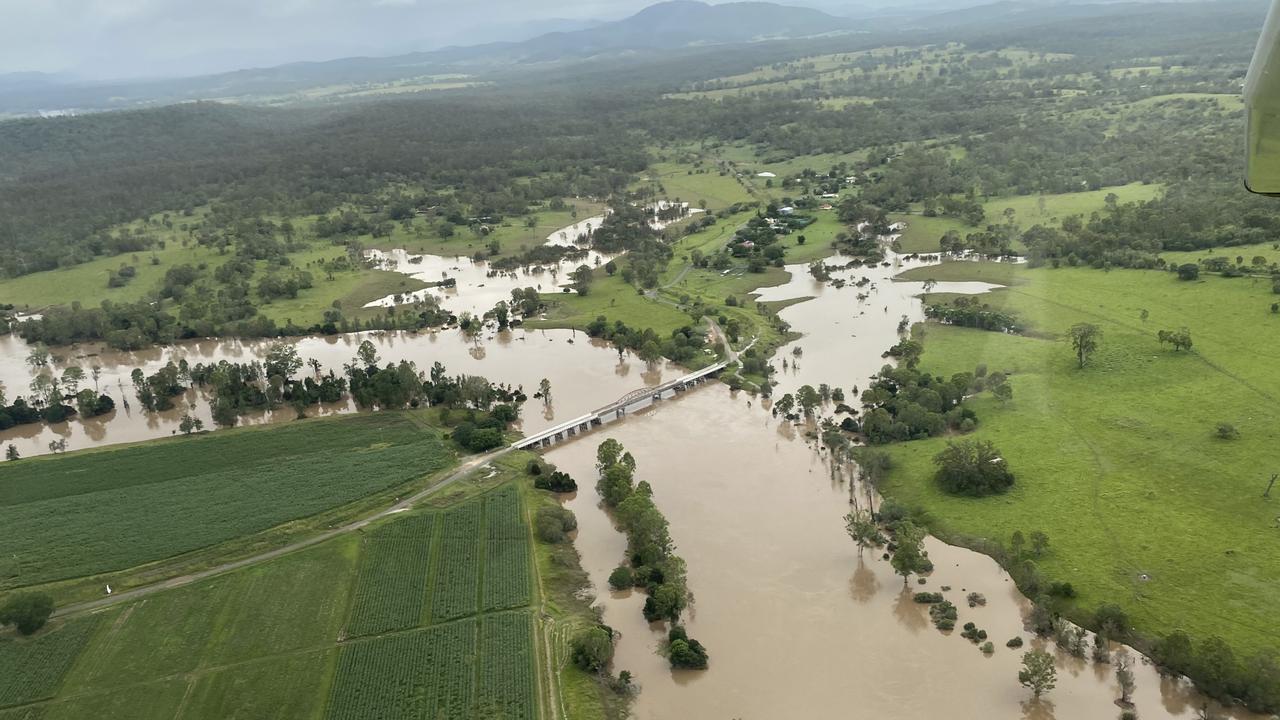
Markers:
(584, 375)
(796, 623)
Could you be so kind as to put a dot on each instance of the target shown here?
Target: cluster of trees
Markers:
(972, 313)
(683, 345)
(904, 403)
(651, 560)
(51, 396)
(972, 468)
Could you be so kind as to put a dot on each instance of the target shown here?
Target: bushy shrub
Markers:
(553, 523)
(622, 578)
(975, 469)
(27, 611)
(556, 482)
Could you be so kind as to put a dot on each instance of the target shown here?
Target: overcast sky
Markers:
(119, 38)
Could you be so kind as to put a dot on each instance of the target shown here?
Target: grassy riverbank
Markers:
(454, 597)
(1120, 462)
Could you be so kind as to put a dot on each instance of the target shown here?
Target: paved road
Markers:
(462, 471)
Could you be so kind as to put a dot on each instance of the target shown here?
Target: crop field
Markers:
(392, 587)
(506, 566)
(86, 513)
(1119, 462)
(427, 673)
(457, 581)
(507, 685)
(337, 630)
(33, 669)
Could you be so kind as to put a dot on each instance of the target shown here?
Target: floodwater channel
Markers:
(798, 624)
(584, 374)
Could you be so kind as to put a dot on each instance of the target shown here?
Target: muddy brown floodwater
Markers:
(584, 375)
(796, 624)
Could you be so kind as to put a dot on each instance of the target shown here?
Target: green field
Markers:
(326, 632)
(98, 511)
(922, 233)
(86, 283)
(1119, 462)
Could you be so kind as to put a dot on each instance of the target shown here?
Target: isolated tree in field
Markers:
(972, 468)
(862, 528)
(1003, 392)
(544, 389)
(1144, 314)
(1084, 340)
(26, 611)
(910, 556)
(1038, 673)
(1179, 339)
(1188, 271)
(581, 278)
(1039, 543)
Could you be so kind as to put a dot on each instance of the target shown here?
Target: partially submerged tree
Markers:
(909, 556)
(1038, 672)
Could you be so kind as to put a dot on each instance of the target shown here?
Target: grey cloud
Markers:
(118, 38)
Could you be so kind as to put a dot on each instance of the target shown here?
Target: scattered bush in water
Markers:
(928, 598)
(976, 598)
(973, 633)
(988, 648)
(944, 615)
(556, 482)
(622, 578)
(1014, 643)
(685, 652)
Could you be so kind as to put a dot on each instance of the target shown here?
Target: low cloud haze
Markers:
(158, 38)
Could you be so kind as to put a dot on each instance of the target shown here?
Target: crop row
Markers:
(32, 669)
(457, 580)
(463, 522)
(502, 516)
(392, 585)
(507, 685)
(506, 574)
(428, 673)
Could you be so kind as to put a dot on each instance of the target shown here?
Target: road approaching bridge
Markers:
(616, 409)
